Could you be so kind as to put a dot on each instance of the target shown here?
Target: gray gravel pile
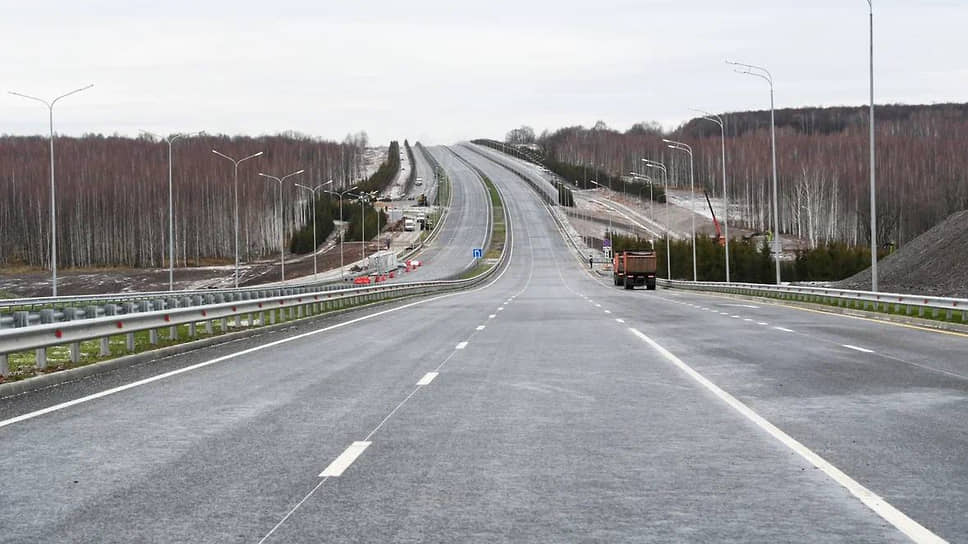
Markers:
(935, 263)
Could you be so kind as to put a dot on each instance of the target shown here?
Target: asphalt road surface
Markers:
(465, 228)
(545, 406)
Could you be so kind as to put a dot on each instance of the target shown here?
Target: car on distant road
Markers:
(419, 182)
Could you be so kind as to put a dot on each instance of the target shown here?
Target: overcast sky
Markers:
(440, 71)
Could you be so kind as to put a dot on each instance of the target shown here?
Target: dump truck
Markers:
(631, 268)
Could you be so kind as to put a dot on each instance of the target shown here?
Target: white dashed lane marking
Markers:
(345, 459)
(428, 377)
(858, 348)
(461, 345)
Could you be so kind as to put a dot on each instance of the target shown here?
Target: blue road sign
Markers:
(606, 243)
(478, 253)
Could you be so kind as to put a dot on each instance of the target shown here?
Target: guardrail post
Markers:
(105, 350)
(129, 342)
(47, 316)
(21, 319)
(192, 329)
(41, 363)
(250, 322)
(272, 317)
(224, 324)
(153, 336)
(4, 365)
(75, 352)
(208, 326)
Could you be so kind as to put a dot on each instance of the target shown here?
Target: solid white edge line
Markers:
(345, 459)
(461, 345)
(427, 378)
(914, 530)
(784, 329)
(145, 381)
(858, 348)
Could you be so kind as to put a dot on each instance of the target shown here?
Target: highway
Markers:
(545, 406)
(465, 227)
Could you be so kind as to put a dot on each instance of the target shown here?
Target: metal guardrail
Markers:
(24, 312)
(246, 310)
(864, 300)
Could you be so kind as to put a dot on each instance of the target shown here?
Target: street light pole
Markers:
(282, 226)
(764, 74)
(873, 200)
(679, 146)
(342, 271)
(312, 191)
(171, 204)
(665, 176)
(722, 129)
(53, 202)
(236, 163)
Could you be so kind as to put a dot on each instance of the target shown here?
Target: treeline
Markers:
(823, 166)
(384, 175)
(112, 196)
(750, 262)
(361, 217)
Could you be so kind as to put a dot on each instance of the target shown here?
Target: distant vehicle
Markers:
(422, 200)
(361, 280)
(409, 225)
(383, 262)
(631, 268)
(419, 182)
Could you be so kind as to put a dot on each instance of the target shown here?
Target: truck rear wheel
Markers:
(629, 282)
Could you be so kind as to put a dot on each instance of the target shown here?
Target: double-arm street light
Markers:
(312, 191)
(53, 204)
(764, 74)
(637, 175)
(679, 146)
(712, 117)
(364, 198)
(282, 225)
(171, 204)
(607, 211)
(340, 195)
(665, 176)
(236, 178)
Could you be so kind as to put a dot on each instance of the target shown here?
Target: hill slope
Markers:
(935, 263)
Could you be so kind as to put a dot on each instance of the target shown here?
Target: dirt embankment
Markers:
(935, 263)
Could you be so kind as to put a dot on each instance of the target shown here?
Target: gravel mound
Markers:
(935, 263)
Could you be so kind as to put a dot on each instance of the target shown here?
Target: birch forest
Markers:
(112, 196)
(822, 162)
